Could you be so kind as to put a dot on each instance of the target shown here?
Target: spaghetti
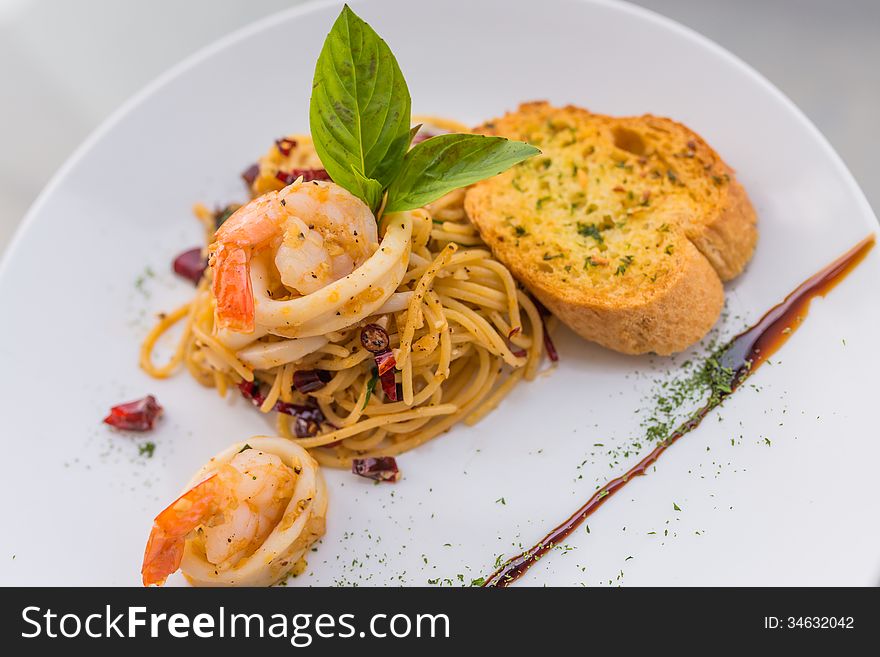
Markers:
(461, 332)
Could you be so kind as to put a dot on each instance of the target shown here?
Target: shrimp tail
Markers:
(167, 540)
(162, 557)
(232, 289)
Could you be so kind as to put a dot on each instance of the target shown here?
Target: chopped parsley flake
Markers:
(371, 386)
(590, 230)
(625, 262)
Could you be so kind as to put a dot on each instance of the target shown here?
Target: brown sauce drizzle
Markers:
(740, 357)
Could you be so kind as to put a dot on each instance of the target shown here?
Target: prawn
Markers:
(234, 509)
(317, 233)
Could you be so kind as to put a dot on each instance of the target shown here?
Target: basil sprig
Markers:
(360, 124)
(440, 164)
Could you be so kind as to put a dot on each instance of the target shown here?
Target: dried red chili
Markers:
(306, 381)
(385, 362)
(307, 418)
(375, 339)
(251, 391)
(137, 415)
(382, 468)
(308, 175)
(190, 265)
(389, 384)
(285, 145)
(250, 174)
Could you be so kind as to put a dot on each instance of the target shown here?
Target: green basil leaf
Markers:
(368, 190)
(391, 168)
(360, 106)
(395, 167)
(440, 164)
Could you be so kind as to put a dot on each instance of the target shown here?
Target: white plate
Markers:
(78, 500)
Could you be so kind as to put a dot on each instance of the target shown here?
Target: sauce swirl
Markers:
(739, 358)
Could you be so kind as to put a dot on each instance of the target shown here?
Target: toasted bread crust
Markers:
(726, 231)
(728, 239)
(667, 303)
(664, 323)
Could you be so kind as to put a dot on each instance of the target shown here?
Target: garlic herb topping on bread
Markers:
(625, 228)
